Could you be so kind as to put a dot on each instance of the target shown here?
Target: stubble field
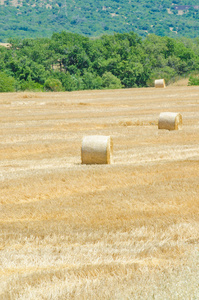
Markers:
(129, 230)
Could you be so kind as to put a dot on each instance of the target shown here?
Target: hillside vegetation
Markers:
(67, 61)
(41, 18)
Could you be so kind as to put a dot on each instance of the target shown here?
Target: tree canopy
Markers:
(69, 61)
(30, 18)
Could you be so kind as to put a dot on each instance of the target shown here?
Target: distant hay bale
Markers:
(96, 149)
(170, 121)
(160, 83)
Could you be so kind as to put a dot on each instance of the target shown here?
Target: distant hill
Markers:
(40, 18)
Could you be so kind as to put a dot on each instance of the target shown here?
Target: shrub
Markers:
(68, 81)
(193, 80)
(91, 81)
(7, 83)
(30, 85)
(54, 85)
(110, 81)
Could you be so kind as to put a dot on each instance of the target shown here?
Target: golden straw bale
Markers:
(170, 121)
(160, 83)
(96, 149)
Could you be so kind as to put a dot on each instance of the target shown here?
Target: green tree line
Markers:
(69, 62)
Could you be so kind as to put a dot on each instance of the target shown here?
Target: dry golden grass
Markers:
(181, 82)
(129, 230)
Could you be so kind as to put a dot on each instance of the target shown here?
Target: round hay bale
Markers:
(160, 83)
(170, 121)
(96, 149)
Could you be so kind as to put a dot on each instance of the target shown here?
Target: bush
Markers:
(54, 85)
(7, 83)
(110, 81)
(91, 81)
(30, 85)
(193, 80)
(67, 81)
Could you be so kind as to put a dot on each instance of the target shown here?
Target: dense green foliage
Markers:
(30, 18)
(68, 61)
(193, 80)
(53, 85)
(7, 83)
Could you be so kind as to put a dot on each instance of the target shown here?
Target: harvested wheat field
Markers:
(125, 230)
